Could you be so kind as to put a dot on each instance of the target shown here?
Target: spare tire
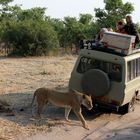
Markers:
(95, 82)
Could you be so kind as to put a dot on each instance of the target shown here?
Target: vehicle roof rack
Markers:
(103, 48)
(108, 50)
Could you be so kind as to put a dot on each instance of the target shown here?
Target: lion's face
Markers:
(87, 102)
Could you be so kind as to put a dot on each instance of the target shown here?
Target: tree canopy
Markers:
(32, 32)
(113, 11)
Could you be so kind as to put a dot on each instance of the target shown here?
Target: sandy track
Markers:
(104, 127)
(18, 80)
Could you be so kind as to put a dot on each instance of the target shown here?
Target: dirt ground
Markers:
(20, 77)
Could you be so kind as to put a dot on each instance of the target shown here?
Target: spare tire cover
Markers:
(95, 82)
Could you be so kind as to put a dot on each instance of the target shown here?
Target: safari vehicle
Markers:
(111, 74)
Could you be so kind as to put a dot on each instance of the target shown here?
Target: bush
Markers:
(30, 38)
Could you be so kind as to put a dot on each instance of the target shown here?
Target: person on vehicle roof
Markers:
(120, 27)
(99, 37)
(131, 29)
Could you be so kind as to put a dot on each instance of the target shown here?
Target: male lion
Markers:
(69, 100)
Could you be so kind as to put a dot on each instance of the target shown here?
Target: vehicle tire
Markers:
(129, 107)
(95, 82)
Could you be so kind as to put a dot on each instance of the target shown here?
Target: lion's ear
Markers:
(84, 96)
(87, 93)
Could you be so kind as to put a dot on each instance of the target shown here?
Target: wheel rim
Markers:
(95, 82)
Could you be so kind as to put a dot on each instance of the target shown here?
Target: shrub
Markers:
(30, 38)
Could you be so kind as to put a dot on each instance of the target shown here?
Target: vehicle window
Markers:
(114, 71)
(133, 69)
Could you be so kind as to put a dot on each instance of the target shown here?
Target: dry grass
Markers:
(19, 77)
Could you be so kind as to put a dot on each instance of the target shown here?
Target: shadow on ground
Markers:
(20, 111)
(128, 133)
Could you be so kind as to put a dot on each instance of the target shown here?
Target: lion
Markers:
(69, 100)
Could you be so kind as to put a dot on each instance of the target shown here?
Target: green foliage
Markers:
(59, 27)
(86, 19)
(31, 38)
(72, 30)
(76, 30)
(37, 14)
(4, 2)
(31, 32)
(26, 32)
(114, 11)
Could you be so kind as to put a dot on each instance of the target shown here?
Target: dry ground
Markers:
(19, 77)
